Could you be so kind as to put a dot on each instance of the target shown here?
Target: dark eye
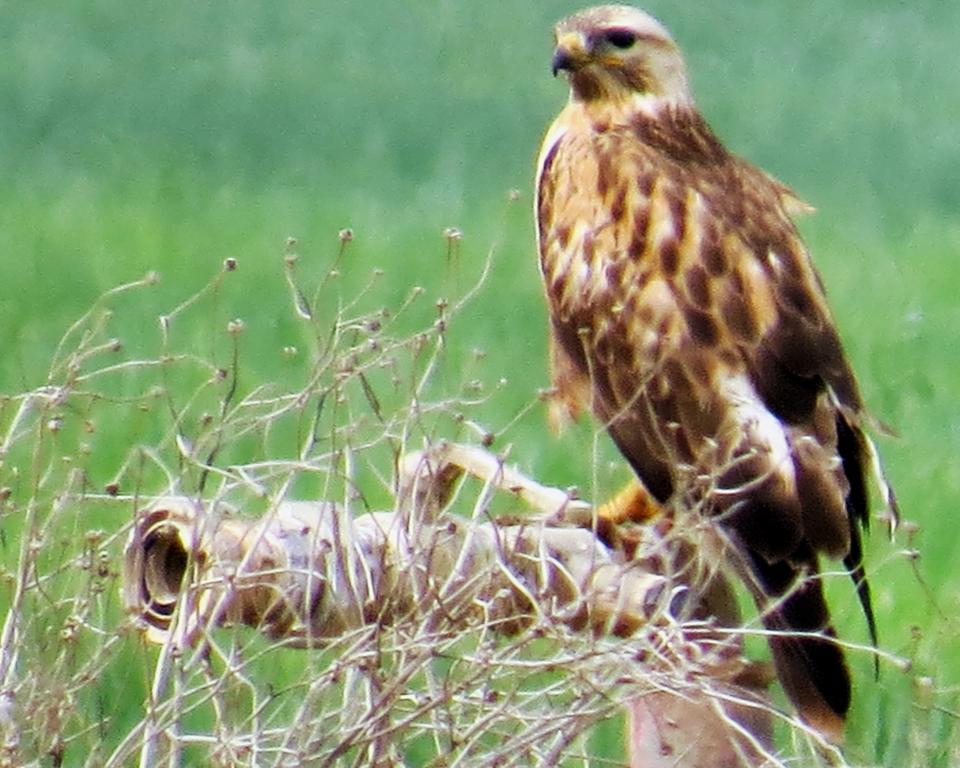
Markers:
(621, 38)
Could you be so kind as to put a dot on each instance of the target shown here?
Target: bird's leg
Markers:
(632, 503)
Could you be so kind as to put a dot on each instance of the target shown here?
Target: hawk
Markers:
(685, 312)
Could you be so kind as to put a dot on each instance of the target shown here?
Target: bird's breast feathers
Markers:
(623, 226)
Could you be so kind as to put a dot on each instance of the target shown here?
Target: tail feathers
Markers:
(810, 664)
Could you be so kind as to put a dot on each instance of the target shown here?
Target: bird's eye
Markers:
(621, 38)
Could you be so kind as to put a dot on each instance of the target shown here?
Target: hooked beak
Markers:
(570, 53)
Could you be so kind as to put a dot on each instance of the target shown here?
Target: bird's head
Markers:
(615, 52)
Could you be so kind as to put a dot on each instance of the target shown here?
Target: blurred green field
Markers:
(169, 136)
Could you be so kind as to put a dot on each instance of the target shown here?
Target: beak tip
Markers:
(561, 60)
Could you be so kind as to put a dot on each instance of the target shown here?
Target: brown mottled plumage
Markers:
(687, 315)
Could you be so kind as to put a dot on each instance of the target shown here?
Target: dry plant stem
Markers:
(28, 549)
(308, 573)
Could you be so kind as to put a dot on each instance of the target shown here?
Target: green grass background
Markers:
(170, 135)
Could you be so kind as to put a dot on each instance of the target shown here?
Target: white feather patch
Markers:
(762, 429)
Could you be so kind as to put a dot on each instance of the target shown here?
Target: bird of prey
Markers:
(686, 314)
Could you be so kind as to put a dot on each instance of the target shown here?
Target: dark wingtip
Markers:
(854, 565)
(854, 449)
